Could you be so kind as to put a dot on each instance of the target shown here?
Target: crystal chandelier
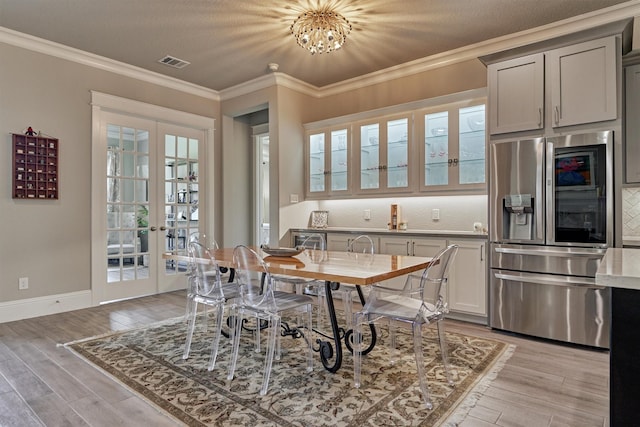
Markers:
(321, 30)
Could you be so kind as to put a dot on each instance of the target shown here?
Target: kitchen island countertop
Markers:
(620, 268)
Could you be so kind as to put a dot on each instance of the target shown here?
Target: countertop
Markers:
(620, 268)
(386, 232)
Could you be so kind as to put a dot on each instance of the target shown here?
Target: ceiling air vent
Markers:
(173, 62)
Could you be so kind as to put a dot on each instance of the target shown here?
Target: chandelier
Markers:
(321, 30)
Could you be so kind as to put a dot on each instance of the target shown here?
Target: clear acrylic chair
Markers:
(361, 244)
(192, 270)
(259, 300)
(208, 290)
(421, 302)
(316, 247)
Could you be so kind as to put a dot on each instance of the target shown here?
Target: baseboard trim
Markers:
(42, 306)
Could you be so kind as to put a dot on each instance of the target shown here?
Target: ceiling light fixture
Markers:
(321, 30)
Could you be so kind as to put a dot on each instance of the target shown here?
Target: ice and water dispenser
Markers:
(518, 216)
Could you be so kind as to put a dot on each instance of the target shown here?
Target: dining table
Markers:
(333, 268)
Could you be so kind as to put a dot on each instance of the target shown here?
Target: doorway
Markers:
(147, 199)
(261, 189)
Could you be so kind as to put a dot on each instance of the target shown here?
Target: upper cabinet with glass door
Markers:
(328, 162)
(453, 149)
(382, 153)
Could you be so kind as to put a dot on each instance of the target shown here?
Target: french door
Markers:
(147, 202)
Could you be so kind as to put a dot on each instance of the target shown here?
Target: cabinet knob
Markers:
(152, 228)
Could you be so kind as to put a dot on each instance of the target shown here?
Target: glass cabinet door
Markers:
(436, 149)
(316, 169)
(339, 158)
(453, 152)
(471, 140)
(370, 156)
(328, 162)
(383, 156)
(398, 153)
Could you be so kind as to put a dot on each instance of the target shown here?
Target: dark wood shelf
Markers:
(35, 167)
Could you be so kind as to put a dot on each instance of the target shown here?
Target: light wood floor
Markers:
(42, 383)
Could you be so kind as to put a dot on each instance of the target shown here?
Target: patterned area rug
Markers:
(149, 361)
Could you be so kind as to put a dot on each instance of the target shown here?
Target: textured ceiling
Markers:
(229, 42)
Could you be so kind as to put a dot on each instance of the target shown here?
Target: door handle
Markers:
(163, 228)
(557, 114)
(152, 228)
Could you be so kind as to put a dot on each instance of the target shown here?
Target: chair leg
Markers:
(309, 323)
(191, 326)
(392, 342)
(347, 301)
(417, 349)
(357, 349)
(274, 328)
(237, 316)
(216, 338)
(443, 352)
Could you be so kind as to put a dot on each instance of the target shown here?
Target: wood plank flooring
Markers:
(42, 383)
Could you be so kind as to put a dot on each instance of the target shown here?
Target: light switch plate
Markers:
(293, 198)
(435, 214)
(367, 214)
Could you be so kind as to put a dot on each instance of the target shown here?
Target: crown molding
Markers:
(58, 50)
(566, 27)
(269, 80)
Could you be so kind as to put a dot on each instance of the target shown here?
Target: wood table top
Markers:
(344, 267)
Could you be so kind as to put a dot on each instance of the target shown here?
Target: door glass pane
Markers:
(339, 160)
(397, 153)
(436, 148)
(181, 187)
(370, 156)
(316, 162)
(471, 162)
(127, 203)
(580, 199)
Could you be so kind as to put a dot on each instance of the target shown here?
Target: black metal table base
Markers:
(327, 347)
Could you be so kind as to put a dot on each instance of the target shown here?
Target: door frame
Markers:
(101, 102)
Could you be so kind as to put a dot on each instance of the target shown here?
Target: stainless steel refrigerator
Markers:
(551, 220)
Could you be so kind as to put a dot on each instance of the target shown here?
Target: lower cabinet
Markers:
(396, 245)
(341, 241)
(467, 287)
(468, 278)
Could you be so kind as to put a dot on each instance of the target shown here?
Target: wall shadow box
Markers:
(35, 167)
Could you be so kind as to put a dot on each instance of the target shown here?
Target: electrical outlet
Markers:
(23, 283)
(435, 214)
(293, 198)
(367, 214)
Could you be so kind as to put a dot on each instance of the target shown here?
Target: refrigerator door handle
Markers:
(551, 252)
(585, 282)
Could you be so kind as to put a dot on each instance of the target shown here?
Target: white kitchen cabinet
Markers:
(341, 241)
(327, 162)
(516, 94)
(467, 287)
(382, 150)
(416, 246)
(453, 148)
(632, 124)
(582, 87)
(583, 82)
